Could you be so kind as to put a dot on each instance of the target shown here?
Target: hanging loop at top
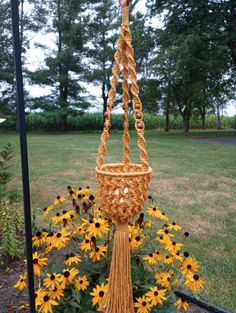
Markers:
(124, 3)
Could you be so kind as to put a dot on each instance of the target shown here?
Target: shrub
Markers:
(72, 255)
(11, 223)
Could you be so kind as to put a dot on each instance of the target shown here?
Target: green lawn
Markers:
(194, 182)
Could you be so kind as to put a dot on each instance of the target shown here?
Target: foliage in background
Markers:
(48, 121)
(72, 255)
(11, 221)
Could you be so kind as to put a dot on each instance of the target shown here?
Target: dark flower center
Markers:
(38, 234)
(21, 280)
(97, 225)
(97, 249)
(64, 211)
(195, 277)
(66, 274)
(189, 266)
(177, 253)
(35, 261)
(157, 252)
(154, 209)
(163, 213)
(186, 234)
(72, 254)
(161, 237)
(58, 235)
(45, 209)
(81, 282)
(173, 243)
(155, 293)
(144, 303)
(58, 197)
(173, 223)
(52, 277)
(50, 234)
(55, 289)
(101, 293)
(186, 254)
(151, 255)
(166, 231)
(137, 238)
(46, 298)
(86, 241)
(167, 257)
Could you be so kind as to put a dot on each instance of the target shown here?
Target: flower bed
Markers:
(73, 252)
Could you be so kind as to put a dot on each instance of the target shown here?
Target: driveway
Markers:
(230, 140)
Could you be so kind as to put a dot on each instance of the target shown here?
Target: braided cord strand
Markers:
(111, 97)
(137, 105)
(125, 88)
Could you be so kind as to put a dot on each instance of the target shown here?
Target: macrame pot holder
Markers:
(122, 187)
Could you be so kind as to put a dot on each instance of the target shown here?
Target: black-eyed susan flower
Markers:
(174, 226)
(182, 304)
(38, 263)
(168, 259)
(136, 242)
(189, 265)
(164, 279)
(47, 304)
(98, 227)
(158, 255)
(98, 252)
(153, 211)
(178, 256)
(38, 295)
(142, 304)
(72, 258)
(150, 258)
(56, 293)
(52, 280)
(164, 232)
(21, 284)
(173, 246)
(59, 200)
(68, 276)
(39, 238)
(156, 296)
(193, 281)
(82, 283)
(86, 244)
(98, 293)
(60, 239)
(79, 230)
(163, 239)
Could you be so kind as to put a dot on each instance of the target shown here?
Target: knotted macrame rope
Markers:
(122, 187)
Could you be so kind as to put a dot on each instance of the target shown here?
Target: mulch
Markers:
(11, 298)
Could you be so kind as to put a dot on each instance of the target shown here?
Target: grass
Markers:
(194, 182)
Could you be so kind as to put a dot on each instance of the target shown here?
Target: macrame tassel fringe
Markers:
(119, 297)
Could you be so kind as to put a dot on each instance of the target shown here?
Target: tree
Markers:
(7, 103)
(188, 41)
(102, 35)
(64, 65)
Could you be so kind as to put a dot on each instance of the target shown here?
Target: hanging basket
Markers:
(122, 187)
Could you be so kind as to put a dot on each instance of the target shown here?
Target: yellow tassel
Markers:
(119, 297)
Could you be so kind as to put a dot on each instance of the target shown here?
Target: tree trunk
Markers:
(203, 115)
(186, 120)
(218, 125)
(63, 123)
(167, 114)
(104, 97)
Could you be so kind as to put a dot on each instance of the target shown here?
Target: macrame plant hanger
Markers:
(122, 187)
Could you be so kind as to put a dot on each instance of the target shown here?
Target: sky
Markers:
(35, 58)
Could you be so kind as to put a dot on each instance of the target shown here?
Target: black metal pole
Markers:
(23, 147)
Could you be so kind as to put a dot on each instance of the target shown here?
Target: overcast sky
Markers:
(35, 58)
